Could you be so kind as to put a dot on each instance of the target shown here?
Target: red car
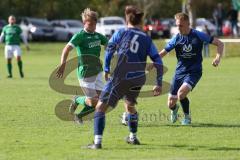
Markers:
(155, 29)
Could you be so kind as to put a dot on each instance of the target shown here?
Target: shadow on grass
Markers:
(225, 149)
(197, 147)
(200, 125)
(210, 125)
(174, 146)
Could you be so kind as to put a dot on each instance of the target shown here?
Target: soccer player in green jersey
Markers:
(88, 44)
(12, 34)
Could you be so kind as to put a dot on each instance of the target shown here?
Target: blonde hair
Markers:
(88, 14)
(182, 16)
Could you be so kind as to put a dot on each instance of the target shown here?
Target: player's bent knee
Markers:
(181, 96)
(131, 109)
(101, 107)
(92, 101)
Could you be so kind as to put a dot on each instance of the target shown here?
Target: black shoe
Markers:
(94, 146)
(9, 76)
(21, 75)
(133, 141)
(77, 120)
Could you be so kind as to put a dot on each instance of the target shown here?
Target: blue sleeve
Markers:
(111, 48)
(171, 44)
(204, 37)
(155, 57)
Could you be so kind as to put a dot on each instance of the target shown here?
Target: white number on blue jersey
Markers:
(134, 44)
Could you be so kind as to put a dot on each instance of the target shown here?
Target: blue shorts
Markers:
(116, 89)
(190, 79)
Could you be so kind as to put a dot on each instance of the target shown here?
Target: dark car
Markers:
(2, 24)
(36, 29)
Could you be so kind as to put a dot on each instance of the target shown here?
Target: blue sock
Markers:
(99, 123)
(185, 105)
(133, 122)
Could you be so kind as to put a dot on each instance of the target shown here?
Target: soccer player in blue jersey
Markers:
(132, 46)
(188, 44)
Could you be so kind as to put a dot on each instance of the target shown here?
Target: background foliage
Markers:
(59, 9)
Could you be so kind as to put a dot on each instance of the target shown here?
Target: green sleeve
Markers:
(76, 39)
(104, 39)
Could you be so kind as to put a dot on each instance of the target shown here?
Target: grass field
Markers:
(29, 128)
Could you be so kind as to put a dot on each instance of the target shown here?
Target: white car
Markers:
(36, 29)
(65, 29)
(200, 26)
(108, 25)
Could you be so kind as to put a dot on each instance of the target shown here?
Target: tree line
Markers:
(61, 9)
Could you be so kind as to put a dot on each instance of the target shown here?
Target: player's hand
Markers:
(157, 90)
(60, 71)
(149, 67)
(106, 76)
(216, 61)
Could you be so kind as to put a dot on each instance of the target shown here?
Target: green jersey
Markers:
(88, 47)
(12, 34)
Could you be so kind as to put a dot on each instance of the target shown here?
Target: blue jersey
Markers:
(188, 50)
(132, 46)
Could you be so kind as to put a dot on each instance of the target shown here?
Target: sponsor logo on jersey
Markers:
(187, 51)
(187, 48)
(94, 44)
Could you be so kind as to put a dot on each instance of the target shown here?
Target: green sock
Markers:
(85, 111)
(20, 65)
(9, 68)
(81, 100)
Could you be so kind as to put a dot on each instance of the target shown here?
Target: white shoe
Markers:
(124, 119)
(186, 120)
(174, 115)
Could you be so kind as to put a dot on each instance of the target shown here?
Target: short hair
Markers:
(182, 16)
(12, 16)
(88, 14)
(133, 15)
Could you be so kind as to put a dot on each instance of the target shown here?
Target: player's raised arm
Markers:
(64, 56)
(219, 54)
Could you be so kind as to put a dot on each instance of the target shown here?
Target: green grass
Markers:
(29, 128)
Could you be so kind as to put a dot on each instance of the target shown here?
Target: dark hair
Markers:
(133, 15)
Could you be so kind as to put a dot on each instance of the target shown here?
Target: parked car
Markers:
(200, 26)
(108, 25)
(202, 22)
(2, 24)
(155, 29)
(36, 29)
(65, 29)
